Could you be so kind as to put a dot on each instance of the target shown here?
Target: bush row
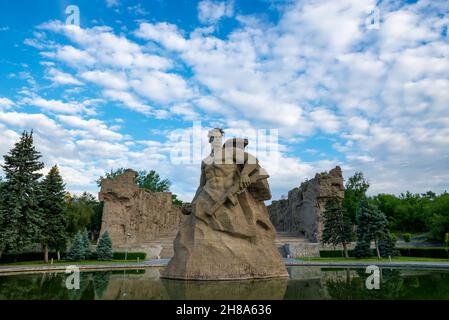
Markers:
(27, 256)
(39, 256)
(130, 255)
(425, 252)
(418, 252)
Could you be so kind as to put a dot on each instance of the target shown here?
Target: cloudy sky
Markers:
(360, 84)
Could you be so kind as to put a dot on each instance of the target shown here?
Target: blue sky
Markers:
(360, 84)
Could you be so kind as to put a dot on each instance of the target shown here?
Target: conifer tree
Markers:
(371, 226)
(337, 225)
(86, 244)
(387, 246)
(53, 233)
(104, 247)
(20, 214)
(78, 250)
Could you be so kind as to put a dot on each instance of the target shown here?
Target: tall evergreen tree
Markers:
(371, 225)
(337, 225)
(104, 247)
(355, 193)
(20, 214)
(53, 233)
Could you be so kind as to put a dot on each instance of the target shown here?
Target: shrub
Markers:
(407, 237)
(130, 256)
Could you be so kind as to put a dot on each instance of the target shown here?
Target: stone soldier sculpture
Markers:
(227, 233)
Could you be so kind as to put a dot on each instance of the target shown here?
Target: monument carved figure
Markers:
(227, 233)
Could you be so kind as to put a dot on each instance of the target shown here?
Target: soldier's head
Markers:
(215, 137)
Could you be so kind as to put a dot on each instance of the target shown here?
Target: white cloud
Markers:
(116, 81)
(6, 103)
(127, 100)
(112, 3)
(61, 78)
(53, 105)
(212, 11)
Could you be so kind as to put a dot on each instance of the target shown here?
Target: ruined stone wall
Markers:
(301, 212)
(131, 210)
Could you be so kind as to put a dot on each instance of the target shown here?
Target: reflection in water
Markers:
(303, 283)
(267, 289)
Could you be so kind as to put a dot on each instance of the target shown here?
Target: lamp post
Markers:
(126, 245)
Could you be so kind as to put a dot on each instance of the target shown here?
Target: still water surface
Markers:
(303, 283)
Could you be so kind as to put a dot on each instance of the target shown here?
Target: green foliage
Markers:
(130, 256)
(387, 247)
(86, 244)
(446, 239)
(83, 212)
(20, 214)
(371, 226)
(355, 193)
(394, 236)
(362, 249)
(104, 248)
(26, 256)
(425, 212)
(53, 207)
(437, 216)
(407, 237)
(337, 225)
(78, 250)
(425, 252)
(175, 200)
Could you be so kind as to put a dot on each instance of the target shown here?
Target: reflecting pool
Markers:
(303, 283)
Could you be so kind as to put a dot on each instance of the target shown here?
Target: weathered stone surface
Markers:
(300, 250)
(302, 211)
(237, 240)
(138, 213)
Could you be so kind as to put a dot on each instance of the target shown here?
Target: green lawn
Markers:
(395, 259)
(41, 263)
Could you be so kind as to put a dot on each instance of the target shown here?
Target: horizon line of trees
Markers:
(377, 219)
(37, 210)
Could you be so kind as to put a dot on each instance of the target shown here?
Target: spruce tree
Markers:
(337, 225)
(371, 225)
(104, 247)
(20, 214)
(387, 246)
(53, 233)
(86, 244)
(78, 250)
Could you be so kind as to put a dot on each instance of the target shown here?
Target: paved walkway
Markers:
(163, 262)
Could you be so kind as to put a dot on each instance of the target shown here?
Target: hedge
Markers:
(425, 252)
(130, 255)
(28, 256)
(418, 252)
(39, 256)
